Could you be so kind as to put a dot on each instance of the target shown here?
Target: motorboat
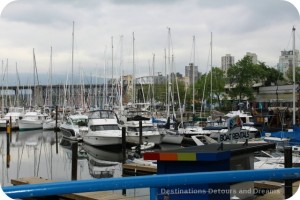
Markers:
(74, 125)
(103, 129)
(150, 133)
(12, 116)
(32, 121)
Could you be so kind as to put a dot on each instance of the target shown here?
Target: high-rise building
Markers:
(286, 60)
(226, 62)
(190, 70)
(253, 56)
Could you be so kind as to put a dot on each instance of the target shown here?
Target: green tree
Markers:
(269, 75)
(289, 74)
(241, 77)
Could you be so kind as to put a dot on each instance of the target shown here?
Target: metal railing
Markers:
(151, 181)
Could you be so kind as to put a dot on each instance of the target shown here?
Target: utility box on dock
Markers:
(207, 158)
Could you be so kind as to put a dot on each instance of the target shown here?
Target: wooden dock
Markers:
(277, 193)
(138, 169)
(101, 195)
(271, 185)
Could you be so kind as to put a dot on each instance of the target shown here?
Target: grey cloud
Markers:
(48, 12)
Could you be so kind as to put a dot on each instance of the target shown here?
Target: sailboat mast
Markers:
(193, 71)
(18, 86)
(50, 94)
(121, 66)
(112, 68)
(2, 90)
(133, 75)
(34, 93)
(168, 71)
(167, 81)
(211, 74)
(153, 84)
(72, 67)
(294, 79)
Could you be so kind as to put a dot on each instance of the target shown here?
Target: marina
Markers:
(121, 107)
(37, 154)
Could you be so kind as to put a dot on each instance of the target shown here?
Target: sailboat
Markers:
(292, 134)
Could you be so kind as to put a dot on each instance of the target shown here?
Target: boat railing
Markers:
(149, 181)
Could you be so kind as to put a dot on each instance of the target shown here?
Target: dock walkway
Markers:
(101, 195)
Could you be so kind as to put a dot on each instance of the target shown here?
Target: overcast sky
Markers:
(263, 27)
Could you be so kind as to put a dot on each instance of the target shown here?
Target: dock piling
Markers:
(74, 146)
(8, 136)
(288, 163)
(123, 152)
(123, 145)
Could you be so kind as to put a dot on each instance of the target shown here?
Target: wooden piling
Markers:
(10, 125)
(8, 135)
(288, 163)
(74, 146)
(123, 152)
(123, 145)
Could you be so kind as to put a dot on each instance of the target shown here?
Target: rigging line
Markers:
(178, 94)
(298, 35)
(204, 88)
(289, 40)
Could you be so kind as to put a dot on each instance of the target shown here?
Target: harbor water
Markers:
(39, 154)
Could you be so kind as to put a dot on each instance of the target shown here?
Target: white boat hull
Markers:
(30, 125)
(14, 124)
(171, 137)
(102, 140)
(50, 124)
(135, 139)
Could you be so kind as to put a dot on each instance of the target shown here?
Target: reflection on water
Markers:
(33, 153)
(103, 163)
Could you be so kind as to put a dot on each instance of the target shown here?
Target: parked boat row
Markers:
(25, 120)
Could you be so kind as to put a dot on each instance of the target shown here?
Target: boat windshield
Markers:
(104, 127)
(102, 114)
(80, 122)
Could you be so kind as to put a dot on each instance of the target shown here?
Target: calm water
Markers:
(33, 153)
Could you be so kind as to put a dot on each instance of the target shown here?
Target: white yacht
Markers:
(14, 114)
(32, 121)
(247, 120)
(150, 133)
(74, 125)
(189, 129)
(103, 129)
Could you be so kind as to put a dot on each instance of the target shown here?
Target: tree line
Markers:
(218, 87)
